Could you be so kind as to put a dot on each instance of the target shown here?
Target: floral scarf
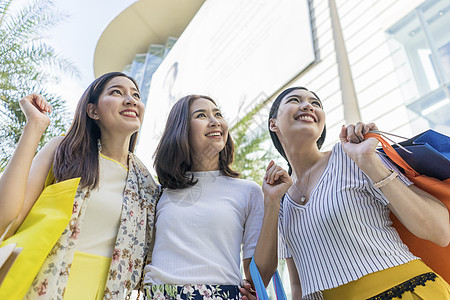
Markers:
(133, 241)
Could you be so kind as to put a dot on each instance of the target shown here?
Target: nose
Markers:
(129, 100)
(213, 122)
(306, 106)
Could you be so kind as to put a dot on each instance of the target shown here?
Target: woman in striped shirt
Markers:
(334, 226)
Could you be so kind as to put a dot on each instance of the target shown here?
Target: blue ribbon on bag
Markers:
(261, 293)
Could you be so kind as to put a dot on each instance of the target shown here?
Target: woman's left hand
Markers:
(353, 142)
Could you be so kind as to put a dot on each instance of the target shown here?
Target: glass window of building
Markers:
(420, 45)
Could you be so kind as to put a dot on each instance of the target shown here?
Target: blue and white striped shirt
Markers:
(343, 232)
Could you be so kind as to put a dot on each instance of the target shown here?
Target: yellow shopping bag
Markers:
(37, 235)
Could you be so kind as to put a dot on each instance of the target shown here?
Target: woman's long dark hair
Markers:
(77, 155)
(273, 115)
(173, 156)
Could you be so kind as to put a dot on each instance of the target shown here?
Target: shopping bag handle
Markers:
(410, 172)
(261, 293)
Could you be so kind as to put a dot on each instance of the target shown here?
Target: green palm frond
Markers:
(250, 157)
(4, 6)
(27, 65)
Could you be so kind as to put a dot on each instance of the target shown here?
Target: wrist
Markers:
(369, 163)
(373, 167)
(386, 180)
(35, 126)
(272, 202)
(377, 171)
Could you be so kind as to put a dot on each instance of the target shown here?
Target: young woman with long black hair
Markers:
(334, 226)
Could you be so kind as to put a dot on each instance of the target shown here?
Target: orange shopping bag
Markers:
(436, 257)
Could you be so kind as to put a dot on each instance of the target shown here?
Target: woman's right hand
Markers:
(36, 110)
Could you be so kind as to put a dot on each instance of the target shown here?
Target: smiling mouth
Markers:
(306, 118)
(129, 114)
(213, 134)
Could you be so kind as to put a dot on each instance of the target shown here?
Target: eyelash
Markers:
(316, 103)
(218, 114)
(135, 95)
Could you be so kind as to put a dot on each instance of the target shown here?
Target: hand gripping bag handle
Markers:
(390, 151)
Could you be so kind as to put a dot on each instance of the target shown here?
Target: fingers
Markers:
(42, 103)
(270, 172)
(246, 284)
(37, 101)
(273, 174)
(369, 127)
(247, 291)
(244, 293)
(343, 134)
(276, 174)
(359, 127)
(354, 133)
(271, 163)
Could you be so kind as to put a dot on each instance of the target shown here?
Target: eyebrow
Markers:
(204, 110)
(121, 86)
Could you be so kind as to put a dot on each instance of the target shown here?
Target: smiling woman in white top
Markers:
(334, 226)
(205, 214)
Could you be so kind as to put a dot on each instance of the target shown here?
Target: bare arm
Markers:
(23, 179)
(276, 183)
(421, 213)
(296, 288)
(246, 264)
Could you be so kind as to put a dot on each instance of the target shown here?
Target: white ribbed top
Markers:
(200, 231)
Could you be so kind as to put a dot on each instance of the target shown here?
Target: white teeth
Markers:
(129, 113)
(308, 118)
(214, 134)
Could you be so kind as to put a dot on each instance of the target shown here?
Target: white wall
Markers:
(378, 87)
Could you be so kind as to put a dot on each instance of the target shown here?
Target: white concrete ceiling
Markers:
(143, 23)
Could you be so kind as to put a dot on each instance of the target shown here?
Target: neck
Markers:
(202, 163)
(302, 157)
(116, 148)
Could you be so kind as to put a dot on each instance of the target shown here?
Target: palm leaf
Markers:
(27, 64)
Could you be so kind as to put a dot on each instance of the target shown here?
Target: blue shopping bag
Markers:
(430, 154)
(261, 293)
